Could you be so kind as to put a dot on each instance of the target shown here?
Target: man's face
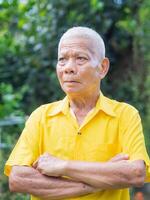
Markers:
(77, 67)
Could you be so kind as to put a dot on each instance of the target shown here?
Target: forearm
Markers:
(109, 175)
(29, 180)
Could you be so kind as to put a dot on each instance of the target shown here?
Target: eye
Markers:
(81, 60)
(61, 60)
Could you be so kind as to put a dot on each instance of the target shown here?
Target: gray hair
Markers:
(87, 33)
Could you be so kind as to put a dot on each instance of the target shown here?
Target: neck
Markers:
(84, 102)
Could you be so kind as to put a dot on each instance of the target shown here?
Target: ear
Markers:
(104, 67)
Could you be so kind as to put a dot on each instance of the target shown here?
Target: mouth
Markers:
(71, 81)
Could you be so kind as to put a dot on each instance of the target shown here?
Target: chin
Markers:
(71, 90)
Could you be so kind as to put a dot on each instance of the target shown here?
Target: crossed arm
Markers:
(45, 178)
(29, 180)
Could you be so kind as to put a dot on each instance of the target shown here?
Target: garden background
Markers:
(29, 34)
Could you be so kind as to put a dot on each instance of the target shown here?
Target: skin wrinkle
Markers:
(88, 34)
(94, 49)
(85, 45)
(65, 54)
(88, 74)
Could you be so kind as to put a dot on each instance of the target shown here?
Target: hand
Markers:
(50, 165)
(119, 157)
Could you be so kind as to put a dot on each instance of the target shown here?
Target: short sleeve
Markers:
(26, 150)
(133, 142)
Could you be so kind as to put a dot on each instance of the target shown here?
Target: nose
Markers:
(70, 67)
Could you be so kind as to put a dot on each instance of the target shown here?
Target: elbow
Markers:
(139, 176)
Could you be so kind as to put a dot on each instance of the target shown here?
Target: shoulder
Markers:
(122, 108)
(45, 110)
(127, 115)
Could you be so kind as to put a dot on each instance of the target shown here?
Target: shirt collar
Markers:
(103, 104)
(61, 106)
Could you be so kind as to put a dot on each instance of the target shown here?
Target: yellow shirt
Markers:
(111, 128)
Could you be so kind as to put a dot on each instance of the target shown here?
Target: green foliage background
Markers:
(29, 35)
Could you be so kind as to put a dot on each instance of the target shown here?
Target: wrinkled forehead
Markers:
(77, 42)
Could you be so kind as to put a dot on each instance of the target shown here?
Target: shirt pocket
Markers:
(102, 152)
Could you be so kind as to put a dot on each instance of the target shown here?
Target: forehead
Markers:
(76, 44)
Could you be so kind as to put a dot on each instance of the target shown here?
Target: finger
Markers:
(126, 156)
(35, 164)
(120, 157)
(46, 154)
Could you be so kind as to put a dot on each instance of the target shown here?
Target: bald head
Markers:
(93, 38)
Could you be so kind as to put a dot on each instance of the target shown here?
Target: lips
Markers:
(71, 81)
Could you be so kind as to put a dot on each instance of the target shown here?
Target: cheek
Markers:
(94, 63)
(90, 74)
(59, 72)
(59, 76)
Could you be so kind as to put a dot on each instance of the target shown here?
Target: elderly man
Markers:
(85, 146)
